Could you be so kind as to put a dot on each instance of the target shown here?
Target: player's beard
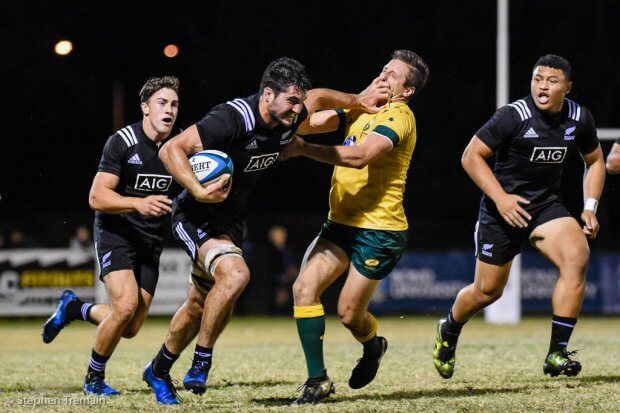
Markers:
(285, 120)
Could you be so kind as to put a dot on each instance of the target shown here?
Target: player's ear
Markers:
(409, 91)
(569, 87)
(145, 108)
(268, 94)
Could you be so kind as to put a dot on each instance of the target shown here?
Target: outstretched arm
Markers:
(371, 100)
(475, 164)
(373, 147)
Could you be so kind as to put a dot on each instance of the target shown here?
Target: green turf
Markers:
(258, 365)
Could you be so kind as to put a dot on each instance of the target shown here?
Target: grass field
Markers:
(258, 365)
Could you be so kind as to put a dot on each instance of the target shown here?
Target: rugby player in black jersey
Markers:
(530, 139)
(131, 193)
(209, 225)
(613, 159)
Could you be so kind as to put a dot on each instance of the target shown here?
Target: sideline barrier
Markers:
(31, 280)
(429, 282)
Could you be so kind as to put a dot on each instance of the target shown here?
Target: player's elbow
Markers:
(468, 159)
(613, 164)
(360, 160)
(94, 201)
(359, 163)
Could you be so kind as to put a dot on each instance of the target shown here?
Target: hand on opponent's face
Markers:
(375, 96)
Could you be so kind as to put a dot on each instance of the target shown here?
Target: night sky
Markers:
(58, 110)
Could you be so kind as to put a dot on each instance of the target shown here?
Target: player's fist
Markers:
(153, 205)
(591, 225)
(215, 191)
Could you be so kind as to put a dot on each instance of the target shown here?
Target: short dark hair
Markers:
(155, 84)
(418, 73)
(283, 73)
(556, 62)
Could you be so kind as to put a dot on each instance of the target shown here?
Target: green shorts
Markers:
(374, 253)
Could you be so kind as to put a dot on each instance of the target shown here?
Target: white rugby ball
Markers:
(209, 165)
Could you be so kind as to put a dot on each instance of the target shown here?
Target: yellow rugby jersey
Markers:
(372, 197)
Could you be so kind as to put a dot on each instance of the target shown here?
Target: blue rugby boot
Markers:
(196, 378)
(96, 386)
(58, 320)
(165, 393)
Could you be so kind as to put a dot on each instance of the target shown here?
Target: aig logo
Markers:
(548, 155)
(153, 183)
(257, 163)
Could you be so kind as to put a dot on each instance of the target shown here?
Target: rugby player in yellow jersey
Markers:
(366, 230)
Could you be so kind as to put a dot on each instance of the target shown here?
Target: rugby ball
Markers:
(210, 165)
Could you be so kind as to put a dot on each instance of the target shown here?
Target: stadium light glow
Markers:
(63, 47)
(171, 50)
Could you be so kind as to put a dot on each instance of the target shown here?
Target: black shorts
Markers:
(117, 252)
(193, 231)
(497, 242)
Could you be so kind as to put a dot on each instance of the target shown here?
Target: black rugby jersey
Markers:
(133, 157)
(530, 148)
(237, 128)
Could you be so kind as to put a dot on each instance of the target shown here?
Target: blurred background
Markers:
(59, 110)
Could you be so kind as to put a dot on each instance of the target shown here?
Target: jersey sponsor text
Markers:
(258, 163)
(548, 154)
(152, 182)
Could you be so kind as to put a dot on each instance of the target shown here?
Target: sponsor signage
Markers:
(31, 282)
(430, 282)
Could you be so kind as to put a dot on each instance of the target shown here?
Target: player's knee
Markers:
(235, 281)
(124, 312)
(575, 258)
(303, 292)
(349, 316)
(489, 294)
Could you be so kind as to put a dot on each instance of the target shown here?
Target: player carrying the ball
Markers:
(366, 230)
(209, 225)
